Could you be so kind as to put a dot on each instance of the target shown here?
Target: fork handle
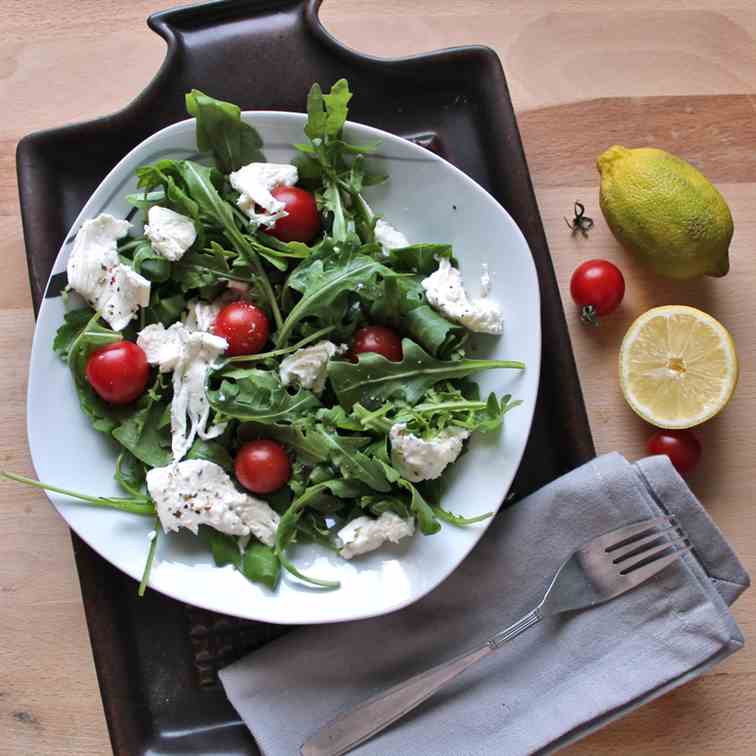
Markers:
(367, 719)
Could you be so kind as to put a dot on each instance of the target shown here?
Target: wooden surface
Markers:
(677, 74)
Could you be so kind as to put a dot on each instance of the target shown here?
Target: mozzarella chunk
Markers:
(364, 534)
(417, 459)
(308, 367)
(95, 272)
(190, 355)
(388, 236)
(197, 492)
(202, 315)
(170, 233)
(446, 293)
(254, 183)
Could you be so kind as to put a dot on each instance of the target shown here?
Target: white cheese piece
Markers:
(364, 534)
(388, 236)
(417, 459)
(190, 354)
(308, 367)
(170, 233)
(254, 183)
(202, 315)
(446, 292)
(197, 492)
(95, 272)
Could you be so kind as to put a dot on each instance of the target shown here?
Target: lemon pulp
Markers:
(678, 366)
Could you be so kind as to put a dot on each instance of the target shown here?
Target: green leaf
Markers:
(150, 559)
(151, 265)
(261, 565)
(374, 379)
(165, 174)
(104, 416)
(354, 464)
(212, 451)
(326, 288)
(421, 259)
(223, 547)
(145, 433)
(74, 322)
(165, 307)
(205, 268)
(258, 396)
(220, 130)
(130, 474)
(426, 518)
(455, 519)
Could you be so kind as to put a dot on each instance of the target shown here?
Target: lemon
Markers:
(678, 366)
(666, 212)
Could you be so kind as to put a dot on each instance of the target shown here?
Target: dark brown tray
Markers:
(157, 659)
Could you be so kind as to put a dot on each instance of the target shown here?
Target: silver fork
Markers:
(603, 569)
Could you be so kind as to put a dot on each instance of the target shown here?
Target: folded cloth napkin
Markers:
(555, 683)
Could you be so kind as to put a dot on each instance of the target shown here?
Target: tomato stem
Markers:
(588, 315)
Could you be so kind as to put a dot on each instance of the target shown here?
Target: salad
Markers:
(275, 362)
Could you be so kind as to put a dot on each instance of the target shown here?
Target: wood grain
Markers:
(583, 75)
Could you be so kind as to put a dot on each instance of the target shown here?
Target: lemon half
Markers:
(678, 366)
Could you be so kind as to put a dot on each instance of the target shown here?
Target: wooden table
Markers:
(677, 74)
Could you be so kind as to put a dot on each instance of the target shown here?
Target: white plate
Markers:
(429, 200)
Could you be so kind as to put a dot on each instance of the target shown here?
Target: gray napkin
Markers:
(555, 683)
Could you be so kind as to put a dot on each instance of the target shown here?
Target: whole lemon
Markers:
(665, 211)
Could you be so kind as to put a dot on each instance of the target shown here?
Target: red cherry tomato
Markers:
(118, 372)
(302, 223)
(244, 326)
(597, 286)
(378, 339)
(262, 466)
(681, 446)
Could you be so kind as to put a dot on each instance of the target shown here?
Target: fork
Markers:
(604, 568)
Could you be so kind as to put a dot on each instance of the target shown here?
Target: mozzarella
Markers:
(202, 315)
(95, 272)
(417, 459)
(364, 534)
(254, 182)
(170, 233)
(308, 367)
(388, 236)
(197, 492)
(190, 355)
(446, 293)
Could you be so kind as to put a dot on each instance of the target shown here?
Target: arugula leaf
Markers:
(145, 433)
(305, 439)
(426, 518)
(149, 264)
(223, 547)
(353, 463)
(326, 288)
(150, 559)
(211, 451)
(130, 474)
(74, 322)
(455, 519)
(374, 379)
(197, 269)
(104, 416)
(416, 258)
(165, 307)
(287, 528)
(260, 564)
(221, 130)
(258, 396)
(164, 174)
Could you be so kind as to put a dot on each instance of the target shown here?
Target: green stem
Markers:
(135, 506)
(431, 408)
(279, 352)
(150, 559)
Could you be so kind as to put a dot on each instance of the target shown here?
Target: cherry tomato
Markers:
(262, 466)
(118, 372)
(244, 326)
(377, 339)
(681, 446)
(302, 223)
(597, 286)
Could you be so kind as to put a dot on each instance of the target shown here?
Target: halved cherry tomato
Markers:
(118, 372)
(244, 326)
(262, 466)
(681, 446)
(597, 286)
(378, 339)
(302, 223)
